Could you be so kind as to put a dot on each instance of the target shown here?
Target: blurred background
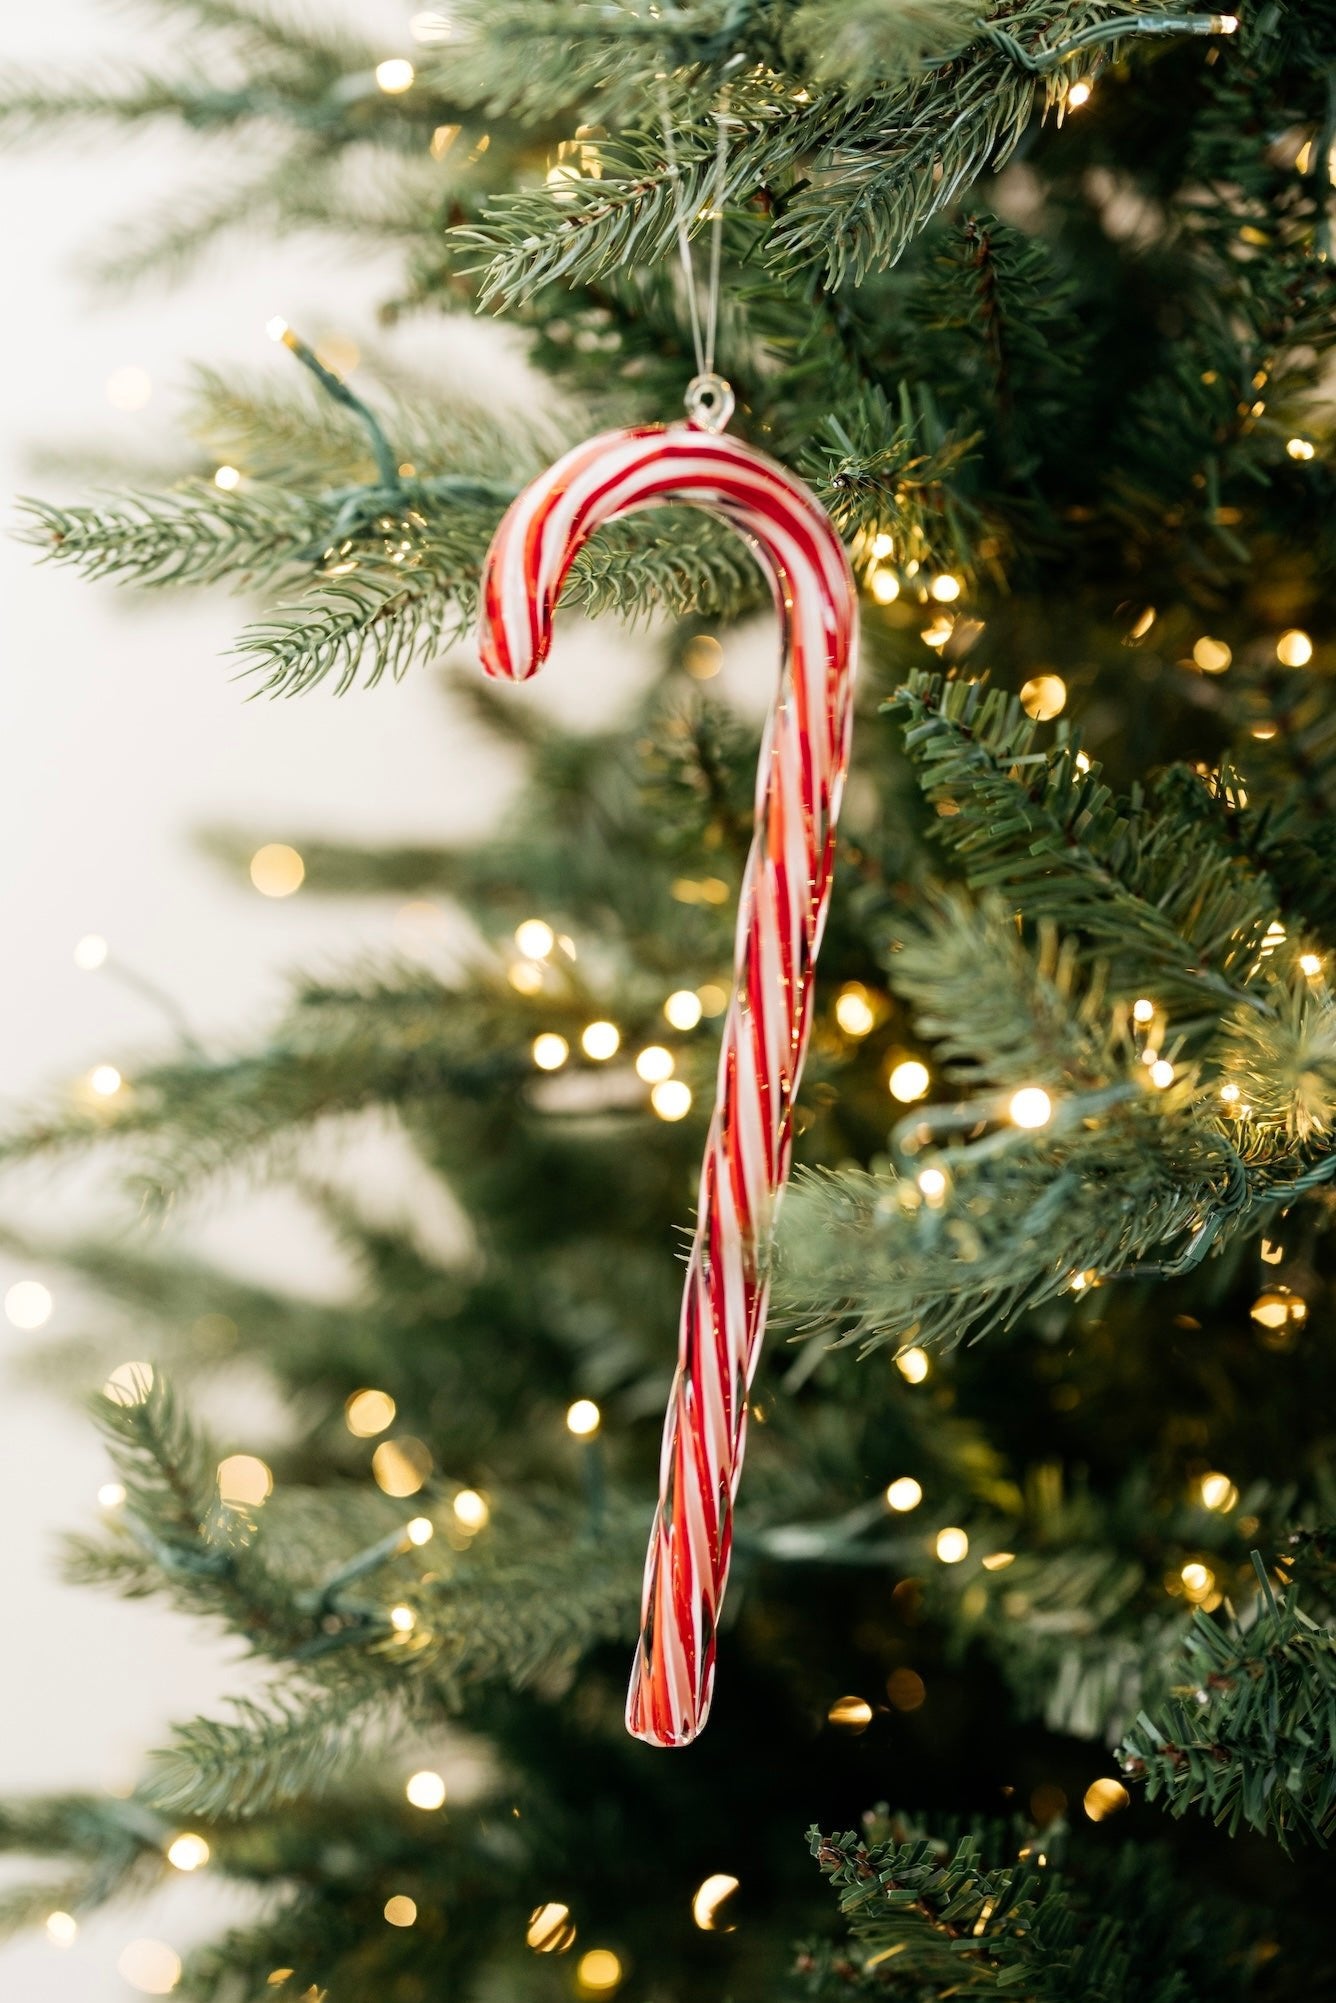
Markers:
(125, 732)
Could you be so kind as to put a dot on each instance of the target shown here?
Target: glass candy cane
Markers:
(785, 893)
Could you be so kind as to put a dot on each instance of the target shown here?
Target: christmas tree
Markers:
(1028, 1670)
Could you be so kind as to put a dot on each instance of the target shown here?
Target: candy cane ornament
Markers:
(781, 914)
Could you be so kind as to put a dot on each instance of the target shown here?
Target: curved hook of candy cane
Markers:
(781, 913)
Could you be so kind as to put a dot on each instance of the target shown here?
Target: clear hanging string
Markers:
(709, 399)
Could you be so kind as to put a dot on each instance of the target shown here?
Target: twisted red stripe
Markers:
(785, 892)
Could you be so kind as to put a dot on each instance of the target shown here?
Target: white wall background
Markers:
(120, 733)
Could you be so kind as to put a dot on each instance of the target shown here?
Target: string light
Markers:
(395, 75)
(884, 586)
(111, 1495)
(525, 977)
(550, 1051)
(952, 1545)
(909, 1080)
(1300, 448)
(1079, 94)
(906, 1689)
(550, 1929)
(1030, 1107)
(400, 1467)
(188, 1851)
(227, 478)
(853, 1010)
(1230, 1094)
(654, 1064)
(402, 1619)
(671, 1100)
(367, 1413)
(1310, 964)
(598, 1972)
(472, 1510)
(583, 1419)
(91, 952)
(1278, 1306)
(932, 1182)
(244, 1480)
(1217, 1491)
(904, 1494)
(709, 1898)
(105, 1080)
(401, 1910)
(1143, 1010)
(277, 870)
(913, 1365)
(61, 1928)
(851, 1714)
(420, 1530)
(129, 1384)
(683, 1009)
(939, 632)
(1198, 1580)
(1104, 1798)
(703, 657)
(600, 1040)
(1211, 656)
(1294, 649)
(1043, 697)
(945, 589)
(28, 1305)
(535, 939)
(1161, 1073)
(425, 1789)
(149, 1966)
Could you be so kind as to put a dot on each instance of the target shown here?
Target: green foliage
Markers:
(1251, 1737)
(949, 1925)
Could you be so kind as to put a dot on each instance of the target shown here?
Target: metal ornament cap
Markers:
(710, 402)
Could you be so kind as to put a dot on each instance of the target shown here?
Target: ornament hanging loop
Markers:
(709, 401)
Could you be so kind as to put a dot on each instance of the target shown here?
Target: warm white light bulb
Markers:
(91, 952)
(425, 1789)
(535, 939)
(909, 1081)
(654, 1064)
(1031, 1107)
(395, 75)
(600, 1040)
(671, 1100)
(683, 1009)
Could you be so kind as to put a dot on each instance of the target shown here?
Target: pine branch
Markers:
(1158, 895)
(948, 1925)
(301, 1740)
(862, 43)
(519, 1605)
(195, 535)
(1252, 1739)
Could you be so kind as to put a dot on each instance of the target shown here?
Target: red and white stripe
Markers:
(785, 892)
